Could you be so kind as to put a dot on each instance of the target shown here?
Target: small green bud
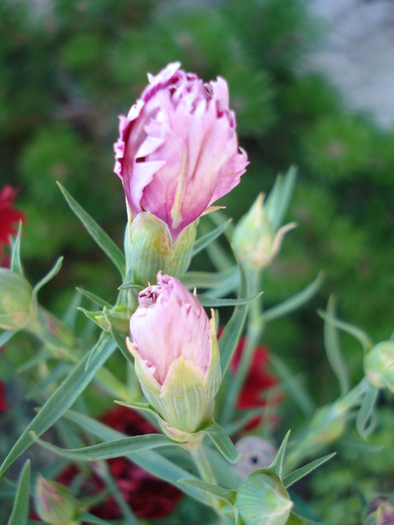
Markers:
(379, 365)
(150, 248)
(255, 240)
(379, 511)
(263, 500)
(55, 503)
(16, 306)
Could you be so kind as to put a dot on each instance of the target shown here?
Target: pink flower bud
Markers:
(177, 151)
(176, 353)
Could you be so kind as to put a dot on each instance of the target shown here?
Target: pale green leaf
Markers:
(290, 479)
(20, 509)
(356, 332)
(94, 298)
(222, 442)
(99, 235)
(6, 336)
(149, 460)
(111, 449)
(277, 465)
(224, 494)
(366, 410)
(214, 302)
(210, 279)
(229, 339)
(333, 350)
(206, 239)
(278, 200)
(293, 303)
(60, 401)
(16, 262)
(50, 275)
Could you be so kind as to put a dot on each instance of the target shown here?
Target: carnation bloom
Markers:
(177, 151)
(148, 496)
(8, 219)
(176, 354)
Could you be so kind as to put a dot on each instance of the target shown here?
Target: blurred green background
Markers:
(67, 70)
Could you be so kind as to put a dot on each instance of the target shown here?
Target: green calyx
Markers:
(149, 248)
(55, 503)
(185, 401)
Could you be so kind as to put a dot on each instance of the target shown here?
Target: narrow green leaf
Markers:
(294, 302)
(210, 279)
(292, 385)
(277, 465)
(60, 401)
(54, 375)
(366, 410)
(213, 302)
(231, 334)
(20, 509)
(110, 449)
(6, 336)
(356, 332)
(204, 241)
(290, 479)
(16, 262)
(121, 342)
(94, 298)
(224, 494)
(96, 349)
(99, 235)
(296, 519)
(70, 314)
(222, 442)
(130, 284)
(279, 198)
(239, 424)
(85, 517)
(116, 493)
(333, 350)
(50, 275)
(149, 460)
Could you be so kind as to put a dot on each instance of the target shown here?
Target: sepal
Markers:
(149, 248)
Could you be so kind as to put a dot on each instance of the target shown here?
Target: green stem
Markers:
(205, 470)
(253, 335)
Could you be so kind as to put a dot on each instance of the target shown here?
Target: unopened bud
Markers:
(379, 511)
(256, 242)
(379, 365)
(55, 503)
(262, 499)
(16, 308)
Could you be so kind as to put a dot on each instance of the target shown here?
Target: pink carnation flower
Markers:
(169, 323)
(177, 151)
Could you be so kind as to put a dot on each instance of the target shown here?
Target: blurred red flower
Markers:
(149, 497)
(8, 219)
(3, 404)
(257, 381)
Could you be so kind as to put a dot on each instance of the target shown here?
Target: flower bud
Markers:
(177, 151)
(380, 511)
(263, 500)
(255, 240)
(16, 308)
(379, 365)
(176, 355)
(55, 503)
(150, 248)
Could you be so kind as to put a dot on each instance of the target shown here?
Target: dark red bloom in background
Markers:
(3, 404)
(9, 219)
(149, 497)
(257, 381)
